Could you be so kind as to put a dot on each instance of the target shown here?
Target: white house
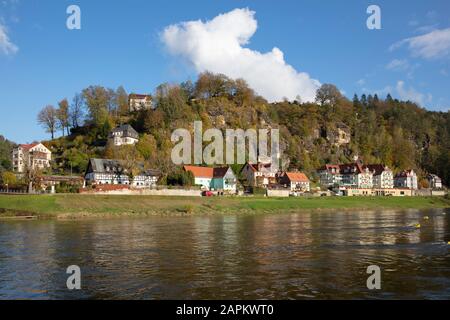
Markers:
(124, 135)
(35, 156)
(406, 179)
(383, 177)
(218, 179)
(138, 102)
(260, 174)
(104, 171)
(434, 181)
(296, 181)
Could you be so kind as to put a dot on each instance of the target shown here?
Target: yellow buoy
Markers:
(426, 218)
(418, 226)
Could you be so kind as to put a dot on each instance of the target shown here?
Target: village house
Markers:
(295, 181)
(330, 175)
(383, 177)
(35, 156)
(138, 102)
(123, 135)
(259, 175)
(435, 182)
(216, 179)
(111, 172)
(406, 179)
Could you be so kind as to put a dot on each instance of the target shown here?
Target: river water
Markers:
(285, 256)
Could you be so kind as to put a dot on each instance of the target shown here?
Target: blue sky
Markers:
(42, 62)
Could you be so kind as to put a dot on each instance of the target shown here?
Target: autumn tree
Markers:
(148, 148)
(62, 114)
(48, 119)
(98, 103)
(130, 160)
(8, 179)
(328, 94)
(121, 101)
(76, 113)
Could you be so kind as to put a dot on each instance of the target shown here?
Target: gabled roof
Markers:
(377, 169)
(206, 172)
(28, 146)
(200, 172)
(260, 167)
(127, 131)
(405, 174)
(355, 168)
(139, 96)
(297, 177)
(114, 166)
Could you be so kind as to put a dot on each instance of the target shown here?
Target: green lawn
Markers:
(75, 206)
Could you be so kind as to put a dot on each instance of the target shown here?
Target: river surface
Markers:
(285, 256)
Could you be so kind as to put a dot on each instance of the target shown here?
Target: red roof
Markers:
(377, 169)
(255, 167)
(205, 172)
(139, 96)
(405, 173)
(28, 146)
(297, 177)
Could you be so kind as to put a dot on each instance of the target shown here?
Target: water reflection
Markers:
(307, 255)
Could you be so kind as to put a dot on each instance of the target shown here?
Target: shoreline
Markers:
(82, 207)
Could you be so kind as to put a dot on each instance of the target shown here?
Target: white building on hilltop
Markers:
(138, 102)
(35, 156)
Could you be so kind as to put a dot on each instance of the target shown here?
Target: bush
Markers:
(180, 178)
(67, 188)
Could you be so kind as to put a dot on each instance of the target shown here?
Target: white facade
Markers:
(35, 156)
(385, 180)
(406, 179)
(123, 135)
(259, 175)
(109, 172)
(138, 102)
(365, 179)
(435, 182)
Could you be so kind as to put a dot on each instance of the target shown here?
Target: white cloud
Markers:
(402, 65)
(435, 44)
(6, 46)
(397, 65)
(412, 95)
(218, 46)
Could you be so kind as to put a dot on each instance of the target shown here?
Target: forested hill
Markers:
(381, 129)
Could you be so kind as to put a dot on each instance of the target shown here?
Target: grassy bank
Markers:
(85, 206)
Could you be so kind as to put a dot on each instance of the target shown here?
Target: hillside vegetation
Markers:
(383, 130)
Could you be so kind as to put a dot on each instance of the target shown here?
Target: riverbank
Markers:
(100, 206)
